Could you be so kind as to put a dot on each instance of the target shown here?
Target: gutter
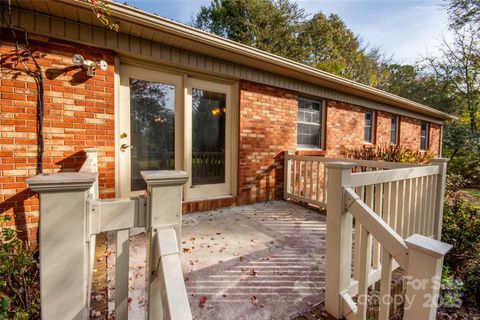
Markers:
(177, 29)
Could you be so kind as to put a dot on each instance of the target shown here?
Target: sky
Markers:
(404, 29)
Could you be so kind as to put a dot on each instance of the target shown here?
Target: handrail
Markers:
(367, 178)
(168, 271)
(380, 230)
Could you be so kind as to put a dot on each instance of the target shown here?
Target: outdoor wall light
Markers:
(89, 65)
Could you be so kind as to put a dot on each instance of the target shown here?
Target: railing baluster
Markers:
(406, 206)
(358, 239)
(378, 188)
(399, 198)
(311, 180)
(365, 261)
(413, 207)
(317, 188)
(121, 274)
(300, 177)
(434, 200)
(305, 179)
(385, 286)
(294, 180)
(426, 199)
(394, 205)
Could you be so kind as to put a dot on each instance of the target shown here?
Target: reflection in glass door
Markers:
(152, 129)
(208, 137)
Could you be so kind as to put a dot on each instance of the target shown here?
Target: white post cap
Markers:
(165, 177)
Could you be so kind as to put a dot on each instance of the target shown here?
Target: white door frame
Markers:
(209, 191)
(141, 73)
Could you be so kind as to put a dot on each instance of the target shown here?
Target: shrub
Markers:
(391, 153)
(19, 278)
(461, 228)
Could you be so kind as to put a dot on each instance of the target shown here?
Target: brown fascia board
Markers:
(239, 53)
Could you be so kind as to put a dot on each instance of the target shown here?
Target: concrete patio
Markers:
(261, 261)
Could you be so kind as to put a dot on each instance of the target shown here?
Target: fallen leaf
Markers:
(186, 250)
(242, 258)
(253, 299)
(192, 238)
(253, 272)
(202, 301)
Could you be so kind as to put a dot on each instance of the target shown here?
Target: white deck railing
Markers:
(394, 214)
(306, 176)
(72, 215)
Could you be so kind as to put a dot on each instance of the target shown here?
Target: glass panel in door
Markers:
(208, 137)
(152, 128)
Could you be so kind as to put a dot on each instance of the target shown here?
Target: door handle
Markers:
(124, 147)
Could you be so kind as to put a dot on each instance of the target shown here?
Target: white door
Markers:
(150, 125)
(208, 136)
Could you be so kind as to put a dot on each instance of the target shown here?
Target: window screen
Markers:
(368, 133)
(424, 136)
(394, 130)
(309, 123)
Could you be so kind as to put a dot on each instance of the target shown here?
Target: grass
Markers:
(473, 196)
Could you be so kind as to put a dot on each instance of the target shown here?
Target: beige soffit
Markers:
(152, 27)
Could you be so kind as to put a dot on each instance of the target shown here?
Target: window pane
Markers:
(368, 127)
(309, 119)
(208, 137)
(308, 135)
(394, 130)
(423, 136)
(152, 129)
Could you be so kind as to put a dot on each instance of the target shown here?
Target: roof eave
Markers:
(295, 69)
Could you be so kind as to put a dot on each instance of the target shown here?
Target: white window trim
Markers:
(372, 133)
(322, 124)
(427, 138)
(397, 133)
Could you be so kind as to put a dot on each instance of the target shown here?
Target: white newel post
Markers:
(164, 211)
(423, 277)
(442, 177)
(339, 238)
(63, 243)
(287, 174)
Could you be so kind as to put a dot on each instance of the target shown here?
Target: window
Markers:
(424, 136)
(309, 123)
(394, 130)
(368, 132)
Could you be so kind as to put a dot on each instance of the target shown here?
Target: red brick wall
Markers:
(383, 127)
(434, 137)
(267, 128)
(79, 113)
(345, 125)
(410, 132)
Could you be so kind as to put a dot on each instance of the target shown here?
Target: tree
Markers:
(463, 12)
(421, 85)
(282, 28)
(459, 66)
(272, 26)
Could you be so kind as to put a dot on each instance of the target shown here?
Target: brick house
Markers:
(173, 97)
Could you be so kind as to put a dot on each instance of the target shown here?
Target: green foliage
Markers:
(461, 228)
(391, 153)
(19, 278)
(463, 12)
(102, 11)
(269, 25)
(417, 84)
(281, 27)
(451, 290)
